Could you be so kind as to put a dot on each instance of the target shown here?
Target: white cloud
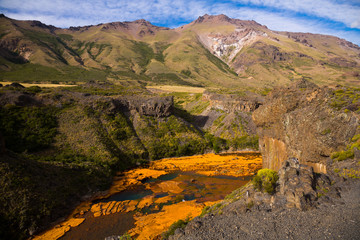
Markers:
(65, 13)
(355, 24)
(341, 12)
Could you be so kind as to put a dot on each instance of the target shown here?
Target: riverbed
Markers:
(144, 202)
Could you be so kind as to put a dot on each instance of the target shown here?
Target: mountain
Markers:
(212, 51)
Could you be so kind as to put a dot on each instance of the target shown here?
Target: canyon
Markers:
(149, 124)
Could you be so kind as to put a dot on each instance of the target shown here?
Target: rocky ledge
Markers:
(305, 205)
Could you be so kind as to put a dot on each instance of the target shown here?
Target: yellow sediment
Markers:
(163, 199)
(170, 186)
(152, 225)
(145, 202)
(49, 85)
(133, 177)
(59, 230)
(212, 164)
(167, 88)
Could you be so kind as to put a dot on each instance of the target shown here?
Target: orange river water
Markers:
(144, 202)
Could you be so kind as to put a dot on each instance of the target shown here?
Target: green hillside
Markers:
(213, 51)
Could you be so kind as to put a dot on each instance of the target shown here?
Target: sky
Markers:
(340, 18)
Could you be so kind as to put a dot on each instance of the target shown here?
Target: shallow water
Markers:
(194, 187)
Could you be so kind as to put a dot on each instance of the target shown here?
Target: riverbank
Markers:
(333, 220)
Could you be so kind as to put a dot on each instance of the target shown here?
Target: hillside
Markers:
(212, 51)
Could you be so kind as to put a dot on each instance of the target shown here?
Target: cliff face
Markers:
(155, 106)
(232, 102)
(302, 122)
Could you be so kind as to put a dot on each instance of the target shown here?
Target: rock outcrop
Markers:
(155, 106)
(298, 187)
(300, 122)
(234, 103)
(304, 203)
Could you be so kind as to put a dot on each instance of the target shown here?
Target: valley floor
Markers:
(336, 220)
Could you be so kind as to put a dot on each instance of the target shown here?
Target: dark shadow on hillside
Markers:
(197, 120)
(200, 121)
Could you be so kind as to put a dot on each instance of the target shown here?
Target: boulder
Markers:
(298, 187)
(296, 183)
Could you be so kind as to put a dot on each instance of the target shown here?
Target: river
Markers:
(144, 202)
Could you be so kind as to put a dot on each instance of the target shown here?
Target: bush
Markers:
(342, 155)
(174, 226)
(245, 141)
(266, 180)
(125, 236)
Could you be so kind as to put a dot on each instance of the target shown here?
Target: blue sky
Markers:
(334, 17)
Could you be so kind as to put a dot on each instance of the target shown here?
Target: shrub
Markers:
(342, 155)
(174, 226)
(125, 236)
(266, 180)
(205, 211)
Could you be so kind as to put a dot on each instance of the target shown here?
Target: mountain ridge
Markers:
(212, 51)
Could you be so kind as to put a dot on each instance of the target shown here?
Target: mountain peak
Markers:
(222, 18)
(142, 22)
(213, 18)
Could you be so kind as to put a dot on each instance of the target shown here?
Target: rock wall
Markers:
(299, 122)
(232, 102)
(155, 106)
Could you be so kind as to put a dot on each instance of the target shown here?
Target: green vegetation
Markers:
(170, 78)
(219, 120)
(346, 99)
(349, 152)
(186, 72)
(215, 143)
(342, 155)
(244, 142)
(144, 51)
(28, 128)
(30, 72)
(173, 138)
(174, 226)
(349, 173)
(266, 180)
(126, 236)
(199, 108)
(205, 211)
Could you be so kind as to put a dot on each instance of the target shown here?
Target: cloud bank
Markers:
(333, 17)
